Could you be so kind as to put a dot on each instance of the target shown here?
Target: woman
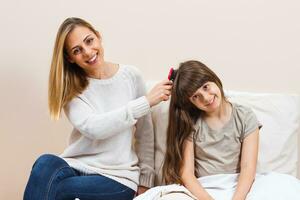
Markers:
(105, 102)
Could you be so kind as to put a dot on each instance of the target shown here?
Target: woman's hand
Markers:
(160, 92)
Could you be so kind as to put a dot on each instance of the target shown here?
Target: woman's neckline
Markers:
(109, 79)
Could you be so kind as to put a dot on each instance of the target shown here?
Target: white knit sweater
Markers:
(105, 117)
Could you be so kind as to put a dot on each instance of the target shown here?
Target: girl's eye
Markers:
(90, 40)
(195, 97)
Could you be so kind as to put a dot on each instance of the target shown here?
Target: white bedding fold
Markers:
(267, 186)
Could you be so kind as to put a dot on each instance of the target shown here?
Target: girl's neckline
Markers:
(226, 124)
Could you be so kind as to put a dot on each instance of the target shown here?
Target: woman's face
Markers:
(84, 48)
(207, 98)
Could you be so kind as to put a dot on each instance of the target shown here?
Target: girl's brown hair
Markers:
(190, 76)
(66, 80)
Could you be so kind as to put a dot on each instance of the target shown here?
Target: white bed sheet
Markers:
(267, 186)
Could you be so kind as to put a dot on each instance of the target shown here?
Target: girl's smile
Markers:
(207, 98)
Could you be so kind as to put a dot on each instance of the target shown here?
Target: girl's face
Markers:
(207, 98)
(84, 48)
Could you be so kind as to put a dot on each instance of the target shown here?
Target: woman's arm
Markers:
(103, 125)
(187, 173)
(144, 143)
(248, 165)
(144, 146)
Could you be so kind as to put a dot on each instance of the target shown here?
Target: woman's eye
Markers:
(76, 51)
(89, 41)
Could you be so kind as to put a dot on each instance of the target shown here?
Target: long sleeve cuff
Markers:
(147, 179)
(139, 107)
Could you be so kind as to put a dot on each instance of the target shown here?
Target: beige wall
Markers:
(252, 45)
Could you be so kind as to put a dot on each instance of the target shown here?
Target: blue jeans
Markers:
(52, 178)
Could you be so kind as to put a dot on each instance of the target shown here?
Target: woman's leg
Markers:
(93, 187)
(52, 178)
(46, 173)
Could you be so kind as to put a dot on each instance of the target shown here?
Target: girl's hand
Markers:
(160, 92)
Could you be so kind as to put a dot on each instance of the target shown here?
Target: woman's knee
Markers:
(46, 170)
(47, 162)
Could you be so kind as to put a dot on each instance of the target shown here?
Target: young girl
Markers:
(105, 102)
(207, 134)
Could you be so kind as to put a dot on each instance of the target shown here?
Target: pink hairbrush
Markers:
(172, 74)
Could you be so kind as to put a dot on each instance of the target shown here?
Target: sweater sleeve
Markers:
(103, 125)
(144, 144)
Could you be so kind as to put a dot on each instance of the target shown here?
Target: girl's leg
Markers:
(46, 173)
(92, 187)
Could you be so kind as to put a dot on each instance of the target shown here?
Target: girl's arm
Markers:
(187, 173)
(248, 166)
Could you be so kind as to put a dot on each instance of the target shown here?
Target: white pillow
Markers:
(279, 115)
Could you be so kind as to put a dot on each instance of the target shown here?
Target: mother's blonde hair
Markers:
(66, 80)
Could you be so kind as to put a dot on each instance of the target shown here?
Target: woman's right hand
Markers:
(160, 92)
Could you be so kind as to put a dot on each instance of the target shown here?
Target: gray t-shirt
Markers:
(218, 151)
